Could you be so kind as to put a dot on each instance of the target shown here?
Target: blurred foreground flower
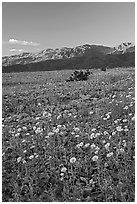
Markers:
(64, 169)
(73, 160)
(95, 158)
(110, 154)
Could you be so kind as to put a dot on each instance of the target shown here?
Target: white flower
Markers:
(110, 154)
(58, 116)
(124, 143)
(119, 151)
(79, 145)
(24, 161)
(50, 133)
(95, 158)
(97, 148)
(19, 129)
(18, 159)
(87, 145)
(56, 130)
(93, 130)
(91, 181)
(133, 119)
(107, 146)
(119, 129)
(17, 134)
(34, 128)
(59, 126)
(93, 146)
(97, 134)
(62, 174)
(37, 118)
(106, 133)
(73, 160)
(108, 116)
(76, 135)
(38, 130)
(113, 133)
(31, 157)
(92, 135)
(73, 133)
(23, 141)
(36, 156)
(76, 129)
(64, 169)
(124, 120)
(44, 113)
(125, 108)
(91, 112)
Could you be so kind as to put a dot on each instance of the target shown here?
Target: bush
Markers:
(103, 69)
(79, 76)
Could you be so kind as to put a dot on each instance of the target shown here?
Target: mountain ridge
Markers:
(64, 53)
(80, 57)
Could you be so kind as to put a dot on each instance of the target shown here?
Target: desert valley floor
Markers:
(68, 141)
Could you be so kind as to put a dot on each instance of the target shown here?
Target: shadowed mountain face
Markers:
(89, 56)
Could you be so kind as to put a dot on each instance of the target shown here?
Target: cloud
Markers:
(16, 50)
(13, 50)
(22, 42)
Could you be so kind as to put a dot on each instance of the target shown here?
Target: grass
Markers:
(68, 141)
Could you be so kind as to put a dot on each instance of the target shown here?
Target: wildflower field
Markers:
(68, 141)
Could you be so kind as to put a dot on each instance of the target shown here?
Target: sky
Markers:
(34, 26)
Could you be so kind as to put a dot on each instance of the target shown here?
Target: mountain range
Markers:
(84, 56)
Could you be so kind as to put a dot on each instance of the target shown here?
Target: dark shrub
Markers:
(103, 69)
(79, 76)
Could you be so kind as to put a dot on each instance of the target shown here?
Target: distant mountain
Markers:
(124, 48)
(89, 56)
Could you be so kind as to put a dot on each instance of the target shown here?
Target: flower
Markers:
(79, 145)
(31, 157)
(62, 174)
(76, 135)
(76, 129)
(23, 141)
(107, 146)
(125, 108)
(18, 159)
(120, 151)
(50, 133)
(87, 145)
(106, 133)
(73, 160)
(64, 169)
(91, 112)
(97, 148)
(113, 133)
(94, 129)
(110, 154)
(124, 120)
(95, 158)
(19, 129)
(24, 161)
(92, 135)
(93, 146)
(24, 128)
(119, 129)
